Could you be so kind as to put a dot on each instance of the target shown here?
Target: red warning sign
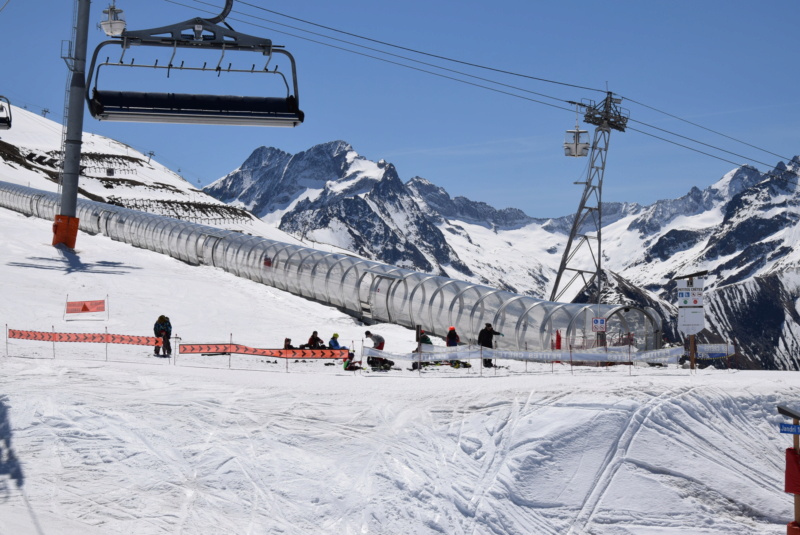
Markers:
(78, 307)
(277, 353)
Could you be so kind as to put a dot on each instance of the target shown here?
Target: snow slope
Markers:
(121, 442)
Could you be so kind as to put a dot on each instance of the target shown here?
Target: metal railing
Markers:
(368, 290)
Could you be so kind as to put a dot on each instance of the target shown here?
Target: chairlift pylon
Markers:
(576, 142)
(5, 113)
(166, 107)
(114, 25)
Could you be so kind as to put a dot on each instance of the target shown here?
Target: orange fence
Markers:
(97, 338)
(218, 349)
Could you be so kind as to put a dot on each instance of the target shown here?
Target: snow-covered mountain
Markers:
(110, 172)
(742, 229)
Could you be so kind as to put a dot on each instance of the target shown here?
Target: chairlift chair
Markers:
(165, 107)
(5, 113)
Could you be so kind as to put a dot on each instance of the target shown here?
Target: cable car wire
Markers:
(767, 174)
(704, 128)
(376, 50)
(477, 66)
(714, 147)
(404, 65)
(694, 141)
(4, 5)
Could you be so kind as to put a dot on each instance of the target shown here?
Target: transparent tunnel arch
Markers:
(368, 290)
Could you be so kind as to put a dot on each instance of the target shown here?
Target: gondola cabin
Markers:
(114, 24)
(576, 143)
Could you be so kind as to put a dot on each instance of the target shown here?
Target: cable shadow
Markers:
(70, 262)
(10, 467)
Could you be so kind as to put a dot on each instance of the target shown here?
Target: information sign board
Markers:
(790, 429)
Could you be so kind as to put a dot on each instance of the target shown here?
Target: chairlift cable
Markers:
(511, 73)
(697, 141)
(737, 164)
(4, 5)
(511, 94)
(400, 64)
(379, 51)
(705, 128)
(487, 80)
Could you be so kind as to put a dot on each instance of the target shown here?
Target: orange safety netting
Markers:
(277, 353)
(98, 338)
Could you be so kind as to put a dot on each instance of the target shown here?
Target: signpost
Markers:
(691, 315)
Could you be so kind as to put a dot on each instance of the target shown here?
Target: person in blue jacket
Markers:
(333, 343)
(163, 330)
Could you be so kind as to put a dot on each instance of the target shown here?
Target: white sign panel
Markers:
(598, 325)
(690, 292)
(691, 320)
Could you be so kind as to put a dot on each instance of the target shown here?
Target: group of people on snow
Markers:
(163, 330)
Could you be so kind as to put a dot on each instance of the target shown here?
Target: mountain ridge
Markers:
(733, 227)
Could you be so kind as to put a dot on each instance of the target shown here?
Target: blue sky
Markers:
(729, 66)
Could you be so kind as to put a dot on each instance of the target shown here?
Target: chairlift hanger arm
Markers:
(202, 33)
(225, 12)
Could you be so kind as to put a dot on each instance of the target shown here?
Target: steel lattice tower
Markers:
(583, 260)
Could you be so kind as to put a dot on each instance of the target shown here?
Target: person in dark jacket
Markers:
(287, 344)
(424, 338)
(452, 339)
(163, 329)
(314, 342)
(485, 339)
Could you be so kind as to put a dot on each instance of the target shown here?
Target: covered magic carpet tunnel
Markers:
(368, 290)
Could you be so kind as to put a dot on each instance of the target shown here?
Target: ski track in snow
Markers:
(618, 455)
(218, 451)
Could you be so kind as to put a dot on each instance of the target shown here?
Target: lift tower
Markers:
(583, 260)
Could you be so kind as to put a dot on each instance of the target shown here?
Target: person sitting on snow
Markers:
(314, 342)
(349, 365)
(333, 343)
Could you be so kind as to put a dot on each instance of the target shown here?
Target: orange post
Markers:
(65, 230)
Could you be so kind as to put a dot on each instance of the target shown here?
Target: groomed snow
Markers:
(135, 444)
